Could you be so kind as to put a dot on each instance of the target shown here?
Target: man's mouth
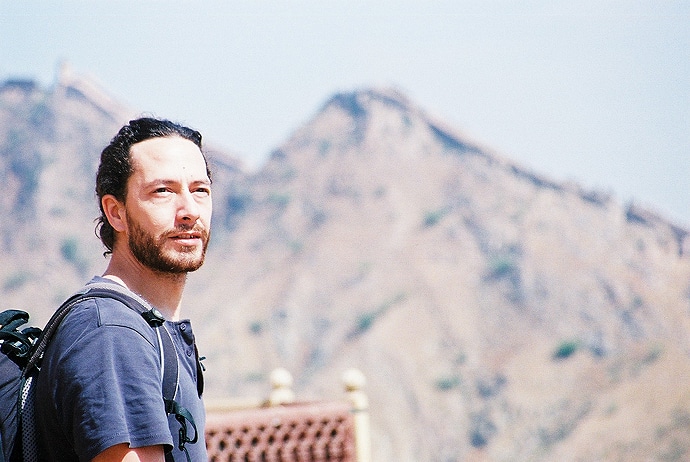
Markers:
(188, 238)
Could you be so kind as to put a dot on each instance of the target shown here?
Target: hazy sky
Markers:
(592, 91)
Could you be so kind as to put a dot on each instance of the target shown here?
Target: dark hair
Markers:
(116, 166)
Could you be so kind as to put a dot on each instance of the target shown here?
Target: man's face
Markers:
(168, 205)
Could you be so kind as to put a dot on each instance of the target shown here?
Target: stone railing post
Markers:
(354, 382)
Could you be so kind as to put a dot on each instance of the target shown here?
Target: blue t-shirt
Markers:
(100, 385)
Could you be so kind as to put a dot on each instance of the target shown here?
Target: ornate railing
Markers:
(283, 430)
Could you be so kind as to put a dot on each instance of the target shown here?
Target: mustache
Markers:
(183, 228)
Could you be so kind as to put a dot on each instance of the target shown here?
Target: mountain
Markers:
(497, 314)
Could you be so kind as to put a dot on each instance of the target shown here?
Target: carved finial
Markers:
(281, 384)
(353, 379)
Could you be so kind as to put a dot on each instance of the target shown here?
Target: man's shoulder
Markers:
(96, 311)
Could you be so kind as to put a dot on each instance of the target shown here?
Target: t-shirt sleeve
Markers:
(109, 388)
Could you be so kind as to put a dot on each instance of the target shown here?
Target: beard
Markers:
(150, 250)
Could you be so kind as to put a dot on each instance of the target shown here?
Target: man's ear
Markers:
(115, 212)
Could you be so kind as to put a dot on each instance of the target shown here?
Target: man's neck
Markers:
(162, 290)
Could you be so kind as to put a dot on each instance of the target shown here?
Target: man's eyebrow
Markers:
(164, 181)
(159, 181)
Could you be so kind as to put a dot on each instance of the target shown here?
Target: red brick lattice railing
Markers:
(298, 432)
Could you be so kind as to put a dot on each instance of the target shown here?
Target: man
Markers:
(99, 393)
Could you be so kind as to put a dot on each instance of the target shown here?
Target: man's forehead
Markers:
(170, 152)
(164, 144)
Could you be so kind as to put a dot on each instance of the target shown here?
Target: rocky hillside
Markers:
(49, 147)
(498, 315)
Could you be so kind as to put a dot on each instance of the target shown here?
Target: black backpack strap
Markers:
(48, 332)
(12, 319)
(17, 343)
(172, 407)
(183, 417)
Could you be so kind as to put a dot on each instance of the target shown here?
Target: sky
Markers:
(591, 91)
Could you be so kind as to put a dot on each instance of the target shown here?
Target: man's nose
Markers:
(188, 209)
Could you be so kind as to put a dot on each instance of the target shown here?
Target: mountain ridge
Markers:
(352, 102)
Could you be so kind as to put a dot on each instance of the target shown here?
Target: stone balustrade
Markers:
(282, 429)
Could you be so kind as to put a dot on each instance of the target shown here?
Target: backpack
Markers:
(21, 352)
